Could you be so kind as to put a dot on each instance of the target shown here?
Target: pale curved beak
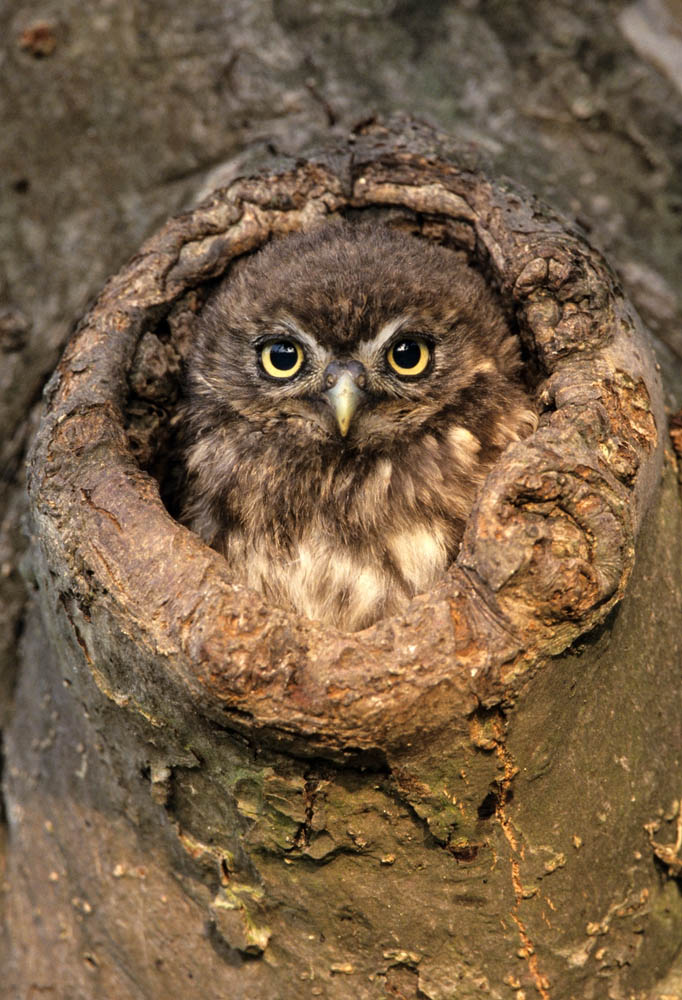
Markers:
(344, 397)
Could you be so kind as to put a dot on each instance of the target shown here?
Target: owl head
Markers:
(352, 339)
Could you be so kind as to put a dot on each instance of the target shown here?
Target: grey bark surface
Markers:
(117, 117)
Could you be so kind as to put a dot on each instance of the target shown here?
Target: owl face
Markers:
(350, 340)
(352, 396)
(347, 394)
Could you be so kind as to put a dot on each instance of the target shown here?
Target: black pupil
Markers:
(283, 355)
(407, 354)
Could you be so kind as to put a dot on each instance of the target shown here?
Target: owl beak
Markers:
(344, 395)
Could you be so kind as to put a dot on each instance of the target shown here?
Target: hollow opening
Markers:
(546, 552)
(157, 398)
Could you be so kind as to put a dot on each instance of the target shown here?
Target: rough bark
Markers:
(445, 805)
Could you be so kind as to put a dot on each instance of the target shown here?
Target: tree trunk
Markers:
(222, 799)
(278, 784)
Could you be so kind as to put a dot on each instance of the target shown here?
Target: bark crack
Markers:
(527, 951)
(3, 803)
(303, 834)
(87, 496)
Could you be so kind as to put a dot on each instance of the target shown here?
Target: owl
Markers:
(347, 392)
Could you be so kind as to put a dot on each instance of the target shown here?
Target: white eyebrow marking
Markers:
(313, 347)
(367, 349)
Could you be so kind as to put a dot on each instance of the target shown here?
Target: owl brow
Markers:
(287, 326)
(369, 348)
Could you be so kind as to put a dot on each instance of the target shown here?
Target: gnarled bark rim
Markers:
(548, 549)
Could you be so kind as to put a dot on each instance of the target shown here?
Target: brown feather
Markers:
(346, 530)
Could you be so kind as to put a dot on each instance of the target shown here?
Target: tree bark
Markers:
(224, 799)
(113, 118)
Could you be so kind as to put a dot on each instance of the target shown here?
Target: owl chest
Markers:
(348, 587)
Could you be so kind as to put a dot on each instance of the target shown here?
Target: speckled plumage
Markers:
(347, 529)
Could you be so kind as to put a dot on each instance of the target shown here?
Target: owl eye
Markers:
(409, 356)
(281, 358)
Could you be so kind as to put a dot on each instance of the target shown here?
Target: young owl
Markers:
(347, 393)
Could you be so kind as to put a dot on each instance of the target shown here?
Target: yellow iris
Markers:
(409, 356)
(281, 358)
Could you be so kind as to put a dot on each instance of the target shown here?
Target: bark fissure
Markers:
(528, 950)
